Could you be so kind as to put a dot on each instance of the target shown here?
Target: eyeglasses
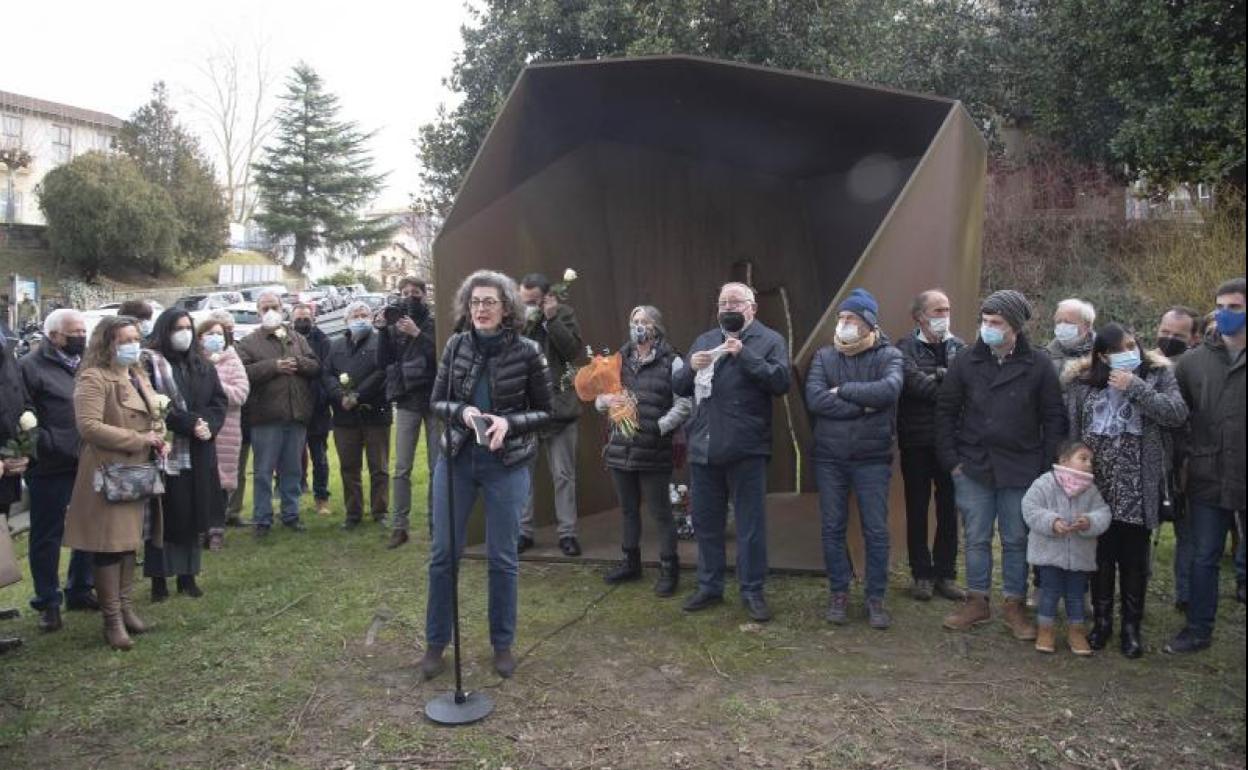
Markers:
(485, 303)
(733, 304)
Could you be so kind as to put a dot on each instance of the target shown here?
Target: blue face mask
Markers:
(1230, 322)
(214, 343)
(127, 354)
(1126, 361)
(991, 335)
(360, 326)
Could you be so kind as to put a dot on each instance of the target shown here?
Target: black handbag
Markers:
(128, 483)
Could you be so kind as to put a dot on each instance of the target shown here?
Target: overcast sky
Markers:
(384, 60)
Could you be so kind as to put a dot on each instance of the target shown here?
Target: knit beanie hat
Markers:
(1010, 305)
(862, 304)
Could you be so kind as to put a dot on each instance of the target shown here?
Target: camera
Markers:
(393, 312)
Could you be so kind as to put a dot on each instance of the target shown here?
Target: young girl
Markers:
(1065, 513)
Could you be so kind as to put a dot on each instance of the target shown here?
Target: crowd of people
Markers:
(1073, 455)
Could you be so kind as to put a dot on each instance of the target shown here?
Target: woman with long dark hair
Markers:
(1123, 403)
(178, 368)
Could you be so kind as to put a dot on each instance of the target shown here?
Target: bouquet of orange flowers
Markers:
(601, 377)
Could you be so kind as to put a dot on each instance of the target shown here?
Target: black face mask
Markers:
(1171, 347)
(416, 308)
(74, 346)
(303, 326)
(732, 321)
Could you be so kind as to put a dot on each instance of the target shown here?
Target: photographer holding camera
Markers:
(407, 353)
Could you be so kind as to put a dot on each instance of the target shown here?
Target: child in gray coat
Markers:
(1065, 513)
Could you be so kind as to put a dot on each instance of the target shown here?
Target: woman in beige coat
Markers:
(115, 413)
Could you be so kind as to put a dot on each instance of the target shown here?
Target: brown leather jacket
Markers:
(277, 397)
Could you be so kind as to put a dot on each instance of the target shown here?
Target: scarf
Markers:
(865, 342)
(163, 382)
(1072, 482)
(703, 379)
(1113, 413)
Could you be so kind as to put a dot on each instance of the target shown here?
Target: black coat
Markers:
(520, 390)
(50, 383)
(735, 421)
(410, 364)
(358, 360)
(858, 423)
(13, 402)
(1212, 384)
(648, 449)
(192, 499)
(321, 346)
(916, 412)
(1002, 422)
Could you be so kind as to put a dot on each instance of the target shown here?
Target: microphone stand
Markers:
(458, 707)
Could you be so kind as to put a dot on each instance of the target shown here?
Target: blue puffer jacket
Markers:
(859, 423)
(734, 422)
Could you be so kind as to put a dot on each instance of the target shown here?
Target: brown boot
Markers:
(970, 613)
(129, 618)
(1046, 638)
(1077, 637)
(108, 590)
(1015, 616)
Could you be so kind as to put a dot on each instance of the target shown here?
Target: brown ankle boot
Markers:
(1046, 638)
(129, 618)
(1015, 616)
(108, 590)
(969, 613)
(1077, 637)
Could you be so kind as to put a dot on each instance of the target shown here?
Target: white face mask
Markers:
(181, 340)
(1066, 332)
(847, 332)
(145, 328)
(939, 326)
(271, 319)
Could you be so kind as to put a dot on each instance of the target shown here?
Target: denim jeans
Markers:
(1210, 525)
(981, 507)
(1060, 585)
(505, 489)
(318, 455)
(710, 487)
(406, 435)
(869, 483)
(49, 497)
(1183, 555)
(276, 447)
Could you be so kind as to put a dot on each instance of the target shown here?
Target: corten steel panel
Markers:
(659, 179)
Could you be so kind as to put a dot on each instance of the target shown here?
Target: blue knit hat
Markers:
(861, 303)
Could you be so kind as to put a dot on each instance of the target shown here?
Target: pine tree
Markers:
(316, 177)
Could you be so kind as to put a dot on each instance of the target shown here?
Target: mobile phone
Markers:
(481, 425)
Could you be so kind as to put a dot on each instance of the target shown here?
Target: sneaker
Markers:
(1186, 642)
(877, 616)
(921, 589)
(524, 543)
(1046, 639)
(973, 612)
(838, 608)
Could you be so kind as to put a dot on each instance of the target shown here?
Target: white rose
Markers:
(162, 401)
(280, 332)
(344, 379)
(569, 275)
(28, 421)
(215, 357)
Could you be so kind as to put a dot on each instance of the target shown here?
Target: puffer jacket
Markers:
(857, 424)
(410, 363)
(650, 447)
(1045, 503)
(274, 397)
(1212, 384)
(229, 441)
(519, 385)
(49, 384)
(916, 411)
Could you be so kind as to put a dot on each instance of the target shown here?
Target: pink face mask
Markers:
(1072, 482)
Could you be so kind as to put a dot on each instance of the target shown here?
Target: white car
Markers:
(201, 305)
(246, 318)
(92, 317)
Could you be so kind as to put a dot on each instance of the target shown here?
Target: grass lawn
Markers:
(303, 652)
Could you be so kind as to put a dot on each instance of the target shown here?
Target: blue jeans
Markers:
(1060, 585)
(981, 507)
(710, 486)
(49, 497)
(870, 487)
(1183, 556)
(1210, 525)
(506, 492)
(318, 456)
(276, 447)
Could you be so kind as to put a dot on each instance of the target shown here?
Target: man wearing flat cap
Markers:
(999, 419)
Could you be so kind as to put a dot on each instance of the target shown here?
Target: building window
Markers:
(4, 205)
(11, 131)
(103, 142)
(62, 149)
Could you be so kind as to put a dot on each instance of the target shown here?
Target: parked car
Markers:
(250, 294)
(246, 318)
(356, 290)
(93, 316)
(334, 298)
(316, 298)
(373, 299)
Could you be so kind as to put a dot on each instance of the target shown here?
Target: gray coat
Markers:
(1045, 503)
(1163, 408)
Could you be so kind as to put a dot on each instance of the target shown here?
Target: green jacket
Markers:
(560, 338)
(278, 397)
(1213, 387)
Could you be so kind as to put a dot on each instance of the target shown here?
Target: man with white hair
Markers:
(1072, 332)
(356, 387)
(48, 374)
(736, 370)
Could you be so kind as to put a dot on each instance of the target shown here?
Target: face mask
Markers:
(991, 335)
(1171, 347)
(74, 346)
(847, 332)
(181, 340)
(732, 321)
(531, 312)
(145, 328)
(271, 319)
(214, 343)
(939, 326)
(1072, 482)
(415, 306)
(360, 327)
(1066, 332)
(303, 326)
(1230, 322)
(1126, 361)
(638, 333)
(127, 354)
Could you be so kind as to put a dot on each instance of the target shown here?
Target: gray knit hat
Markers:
(1010, 305)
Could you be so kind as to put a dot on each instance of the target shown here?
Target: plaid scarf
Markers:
(163, 382)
